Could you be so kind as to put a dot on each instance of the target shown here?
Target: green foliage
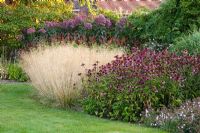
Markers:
(191, 43)
(136, 28)
(191, 87)
(127, 105)
(189, 14)
(89, 4)
(52, 10)
(110, 14)
(110, 103)
(167, 22)
(15, 72)
(137, 23)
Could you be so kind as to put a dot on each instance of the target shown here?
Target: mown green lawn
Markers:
(19, 113)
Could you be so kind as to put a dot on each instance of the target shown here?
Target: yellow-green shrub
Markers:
(14, 19)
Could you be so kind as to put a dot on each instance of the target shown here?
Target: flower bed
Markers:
(81, 29)
(184, 119)
(144, 79)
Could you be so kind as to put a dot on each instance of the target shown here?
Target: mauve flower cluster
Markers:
(75, 22)
(71, 23)
(30, 30)
(42, 30)
(145, 65)
(103, 21)
(99, 29)
(122, 22)
(79, 19)
(88, 26)
(51, 24)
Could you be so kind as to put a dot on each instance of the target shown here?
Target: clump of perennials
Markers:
(132, 83)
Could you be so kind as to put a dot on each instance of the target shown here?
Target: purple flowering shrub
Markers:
(81, 29)
(102, 21)
(144, 79)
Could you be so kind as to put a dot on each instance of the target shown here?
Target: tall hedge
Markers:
(171, 20)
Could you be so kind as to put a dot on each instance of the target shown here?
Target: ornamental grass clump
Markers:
(132, 83)
(57, 71)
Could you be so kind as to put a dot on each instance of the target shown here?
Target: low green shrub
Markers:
(15, 72)
(120, 102)
(191, 86)
(11, 71)
(189, 43)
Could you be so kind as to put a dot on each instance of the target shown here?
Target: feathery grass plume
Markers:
(57, 71)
